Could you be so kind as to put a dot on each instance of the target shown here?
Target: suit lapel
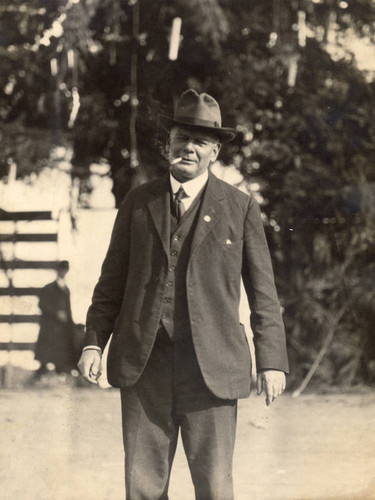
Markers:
(210, 211)
(159, 206)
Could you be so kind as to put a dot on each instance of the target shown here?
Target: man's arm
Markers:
(109, 291)
(265, 319)
(107, 297)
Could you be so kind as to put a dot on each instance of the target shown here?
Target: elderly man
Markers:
(169, 291)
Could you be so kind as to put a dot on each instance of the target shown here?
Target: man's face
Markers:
(62, 272)
(197, 150)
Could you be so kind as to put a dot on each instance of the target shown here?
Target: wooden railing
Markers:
(8, 266)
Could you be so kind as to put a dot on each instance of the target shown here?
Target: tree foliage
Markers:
(96, 75)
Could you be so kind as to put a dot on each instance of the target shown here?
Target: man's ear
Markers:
(215, 152)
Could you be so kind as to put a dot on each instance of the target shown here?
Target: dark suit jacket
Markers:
(228, 242)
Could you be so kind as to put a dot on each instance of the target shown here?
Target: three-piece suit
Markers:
(169, 291)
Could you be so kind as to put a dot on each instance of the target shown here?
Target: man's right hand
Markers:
(89, 364)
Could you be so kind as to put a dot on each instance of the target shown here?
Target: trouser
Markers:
(171, 396)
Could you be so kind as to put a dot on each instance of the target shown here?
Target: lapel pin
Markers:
(207, 218)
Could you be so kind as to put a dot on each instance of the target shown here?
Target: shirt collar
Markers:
(192, 187)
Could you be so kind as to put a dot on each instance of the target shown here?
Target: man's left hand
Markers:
(272, 382)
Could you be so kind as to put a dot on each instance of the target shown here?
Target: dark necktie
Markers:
(178, 205)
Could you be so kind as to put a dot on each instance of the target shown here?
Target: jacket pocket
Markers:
(231, 256)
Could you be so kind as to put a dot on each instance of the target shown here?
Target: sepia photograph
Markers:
(187, 249)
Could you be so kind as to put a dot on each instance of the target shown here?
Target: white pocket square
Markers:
(228, 242)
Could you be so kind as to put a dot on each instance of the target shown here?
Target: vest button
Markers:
(174, 252)
(176, 237)
(169, 283)
(172, 268)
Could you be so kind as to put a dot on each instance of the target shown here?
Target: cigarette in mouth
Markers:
(176, 160)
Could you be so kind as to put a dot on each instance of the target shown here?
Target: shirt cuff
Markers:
(93, 347)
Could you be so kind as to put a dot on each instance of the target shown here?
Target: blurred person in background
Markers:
(56, 336)
(169, 291)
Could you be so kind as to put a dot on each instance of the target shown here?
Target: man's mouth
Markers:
(176, 160)
(179, 159)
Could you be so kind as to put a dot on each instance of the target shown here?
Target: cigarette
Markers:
(176, 160)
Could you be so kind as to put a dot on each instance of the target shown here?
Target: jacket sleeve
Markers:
(257, 274)
(109, 291)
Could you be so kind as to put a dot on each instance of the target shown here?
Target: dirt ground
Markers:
(64, 443)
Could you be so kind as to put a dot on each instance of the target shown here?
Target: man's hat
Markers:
(199, 111)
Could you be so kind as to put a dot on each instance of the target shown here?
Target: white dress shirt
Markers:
(192, 188)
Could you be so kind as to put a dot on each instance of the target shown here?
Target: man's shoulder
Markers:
(152, 185)
(49, 290)
(232, 191)
(51, 285)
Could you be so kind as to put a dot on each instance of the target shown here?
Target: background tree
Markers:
(95, 75)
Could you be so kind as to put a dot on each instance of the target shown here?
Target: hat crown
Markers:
(201, 111)
(198, 109)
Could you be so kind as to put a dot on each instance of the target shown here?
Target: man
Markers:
(169, 290)
(55, 342)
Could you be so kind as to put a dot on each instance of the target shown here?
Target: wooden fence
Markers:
(11, 263)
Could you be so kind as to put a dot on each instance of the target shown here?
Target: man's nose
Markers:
(188, 147)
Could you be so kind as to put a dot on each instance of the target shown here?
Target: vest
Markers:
(174, 313)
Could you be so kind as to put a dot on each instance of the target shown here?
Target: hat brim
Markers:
(225, 134)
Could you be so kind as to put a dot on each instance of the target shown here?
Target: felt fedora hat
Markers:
(198, 111)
